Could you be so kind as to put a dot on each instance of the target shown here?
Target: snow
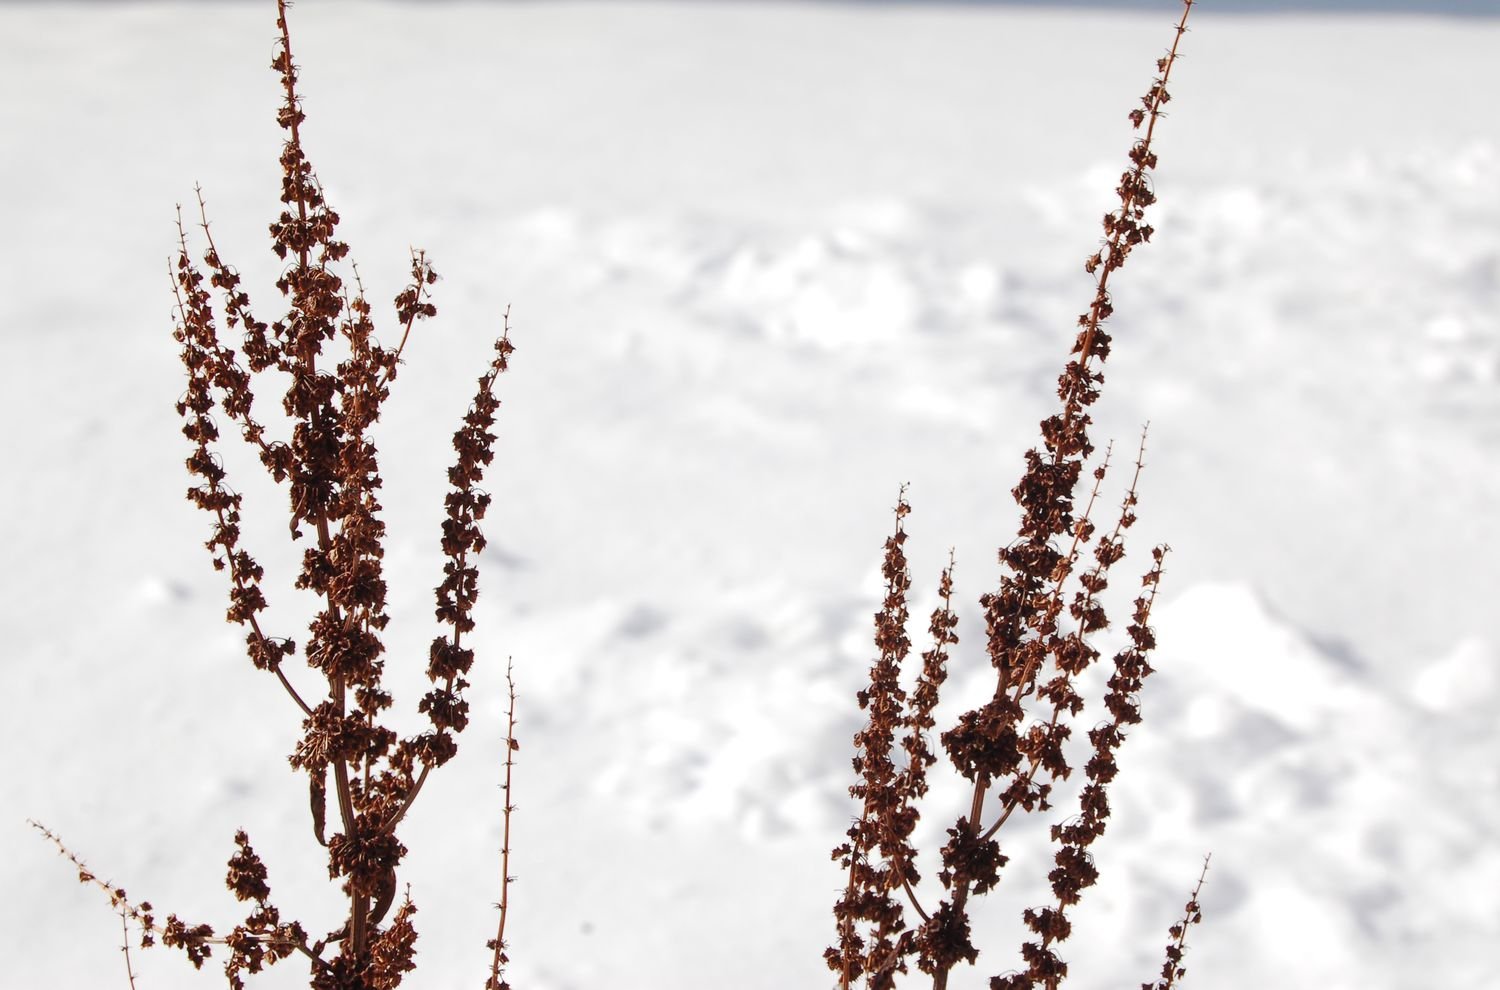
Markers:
(766, 262)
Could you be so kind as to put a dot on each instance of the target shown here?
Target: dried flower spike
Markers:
(362, 778)
(1039, 629)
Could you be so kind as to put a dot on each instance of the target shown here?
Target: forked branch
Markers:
(339, 375)
(1039, 624)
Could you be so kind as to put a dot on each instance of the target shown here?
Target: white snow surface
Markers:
(766, 262)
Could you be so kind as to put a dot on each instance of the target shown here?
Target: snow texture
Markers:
(766, 263)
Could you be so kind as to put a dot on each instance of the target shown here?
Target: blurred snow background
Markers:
(766, 262)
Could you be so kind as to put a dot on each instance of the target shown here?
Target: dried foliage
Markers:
(1172, 969)
(1010, 748)
(338, 377)
(1040, 624)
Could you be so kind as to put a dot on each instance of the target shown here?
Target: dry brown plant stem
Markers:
(1172, 969)
(243, 585)
(1040, 625)
(192, 939)
(496, 980)
(337, 377)
(125, 948)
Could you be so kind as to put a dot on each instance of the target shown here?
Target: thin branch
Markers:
(270, 654)
(419, 269)
(1172, 970)
(142, 913)
(497, 965)
(125, 948)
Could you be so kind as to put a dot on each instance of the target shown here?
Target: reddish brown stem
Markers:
(497, 964)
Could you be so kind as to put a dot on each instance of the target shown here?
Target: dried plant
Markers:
(339, 375)
(1172, 969)
(1011, 748)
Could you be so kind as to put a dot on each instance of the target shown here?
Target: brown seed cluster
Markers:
(1039, 629)
(879, 856)
(1040, 624)
(362, 777)
(1172, 969)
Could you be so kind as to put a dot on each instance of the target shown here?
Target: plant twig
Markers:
(1039, 626)
(496, 980)
(125, 948)
(1172, 970)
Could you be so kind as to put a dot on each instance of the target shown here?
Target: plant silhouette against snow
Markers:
(1010, 749)
(354, 764)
